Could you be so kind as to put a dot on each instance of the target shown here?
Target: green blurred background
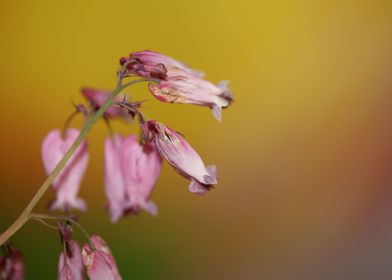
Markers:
(304, 155)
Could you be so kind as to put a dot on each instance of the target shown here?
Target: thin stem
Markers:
(67, 123)
(25, 215)
(64, 218)
(44, 223)
(142, 117)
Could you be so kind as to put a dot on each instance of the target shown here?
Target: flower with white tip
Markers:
(173, 147)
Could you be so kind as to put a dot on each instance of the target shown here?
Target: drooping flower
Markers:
(173, 147)
(97, 98)
(67, 183)
(12, 265)
(99, 263)
(150, 64)
(187, 89)
(70, 263)
(131, 171)
(177, 82)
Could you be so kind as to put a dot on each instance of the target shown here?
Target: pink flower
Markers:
(187, 89)
(172, 146)
(12, 265)
(100, 263)
(150, 64)
(67, 183)
(98, 97)
(131, 171)
(71, 264)
(178, 83)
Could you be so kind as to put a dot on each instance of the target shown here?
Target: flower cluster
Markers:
(132, 164)
(178, 83)
(95, 258)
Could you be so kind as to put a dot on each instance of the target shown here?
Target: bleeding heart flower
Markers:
(172, 146)
(99, 263)
(131, 171)
(12, 265)
(67, 183)
(178, 83)
(187, 89)
(70, 263)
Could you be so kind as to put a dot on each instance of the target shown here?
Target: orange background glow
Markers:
(304, 155)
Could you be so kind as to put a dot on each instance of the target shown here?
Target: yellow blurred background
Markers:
(304, 155)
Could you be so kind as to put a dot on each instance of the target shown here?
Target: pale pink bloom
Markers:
(131, 171)
(181, 156)
(141, 166)
(114, 183)
(71, 264)
(97, 98)
(187, 89)
(150, 64)
(177, 82)
(99, 263)
(67, 183)
(12, 265)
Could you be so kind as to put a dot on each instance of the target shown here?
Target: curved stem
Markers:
(142, 117)
(67, 123)
(57, 217)
(25, 215)
(44, 223)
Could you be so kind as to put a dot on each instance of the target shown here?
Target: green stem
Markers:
(25, 215)
(45, 223)
(72, 221)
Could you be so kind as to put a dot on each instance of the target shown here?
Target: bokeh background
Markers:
(304, 154)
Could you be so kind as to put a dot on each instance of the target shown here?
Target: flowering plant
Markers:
(132, 164)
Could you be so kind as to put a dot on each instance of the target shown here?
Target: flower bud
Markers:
(150, 64)
(12, 265)
(67, 183)
(151, 58)
(99, 263)
(173, 147)
(70, 263)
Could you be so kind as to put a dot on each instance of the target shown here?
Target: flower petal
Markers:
(68, 181)
(99, 263)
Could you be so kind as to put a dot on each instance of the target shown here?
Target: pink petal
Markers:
(72, 268)
(68, 182)
(114, 183)
(131, 171)
(141, 166)
(152, 58)
(100, 263)
(183, 88)
(182, 157)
